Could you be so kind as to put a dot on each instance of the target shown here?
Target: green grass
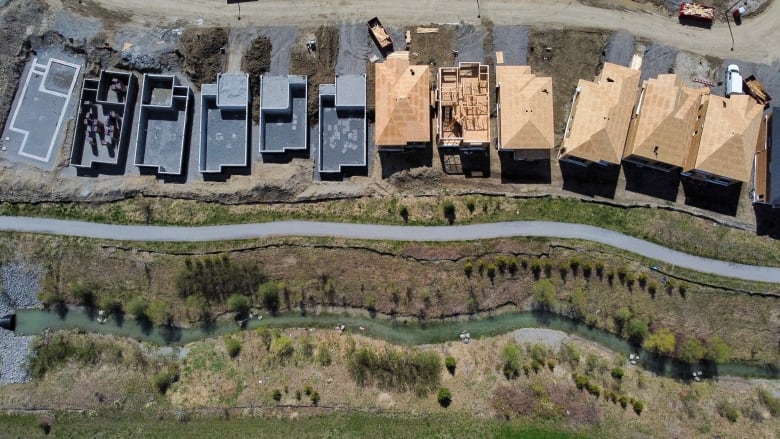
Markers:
(341, 425)
(677, 230)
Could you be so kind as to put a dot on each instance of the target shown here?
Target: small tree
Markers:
(158, 313)
(637, 331)
(84, 293)
(239, 304)
(491, 271)
(470, 205)
(315, 398)
(512, 265)
(544, 295)
(444, 396)
(662, 342)
(587, 269)
(639, 406)
(510, 357)
(717, 350)
(617, 373)
(450, 364)
(110, 304)
(468, 269)
(276, 395)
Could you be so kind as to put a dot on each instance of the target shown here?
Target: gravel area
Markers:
(14, 350)
(470, 43)
(354, 48)
(513, 41)
(620, 48)
(20, 285)
(76, 27)
(549, 337)
(657, 60)
(283, 38)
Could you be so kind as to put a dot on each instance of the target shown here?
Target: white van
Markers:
(733, 80)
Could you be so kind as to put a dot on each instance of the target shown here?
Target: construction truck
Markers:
(756, 90)
(697, 12)
(380, 36)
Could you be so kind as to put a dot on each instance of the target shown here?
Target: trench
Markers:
(396, 331)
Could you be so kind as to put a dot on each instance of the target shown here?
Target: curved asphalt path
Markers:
(396, 233)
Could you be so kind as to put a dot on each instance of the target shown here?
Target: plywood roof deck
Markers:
(526, 112)
(464, 104)
(601, 114)
(667, 121)
(402, 102)
(728, 139)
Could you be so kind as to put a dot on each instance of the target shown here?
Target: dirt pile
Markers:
(567, 56)
(203, 53)
(319, 65)
(256, 61)
(15, 20)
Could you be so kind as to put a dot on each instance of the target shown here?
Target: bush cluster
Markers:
(216, 278)
(396, 370)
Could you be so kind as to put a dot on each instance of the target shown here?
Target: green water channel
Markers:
(29, 322)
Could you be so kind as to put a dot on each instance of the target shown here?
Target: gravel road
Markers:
(548, 337)
(545, 229)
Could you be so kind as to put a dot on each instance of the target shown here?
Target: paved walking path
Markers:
(396, 233)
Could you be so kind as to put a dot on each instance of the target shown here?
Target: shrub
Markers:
(638, 406)
(652, 287)
(599, 268)
(770, 401)
(233, 347)
(298, 395)
(510, 358)
(269, 294)
(449, 210)
(580, 381)
(544, 294)
(315, 398)
(691, 351)
(587, 269)
(682, 288)
(501, 263)
(50, 299)
(577, 301)
(622, 272)
(450, 364)
(137, 308)
(481, 267)
(397, 370)
(491, 271)
(276, 395)
(468, 269)
(563, 269)
(216, 278)
(282, 347)
(84, 293)
(158, 313)
(536, 267)
(662, 342)
(717, 350)
(574, 263)
(642, 279)
(471, 206)
(728, 411)
(238, 304)
(551, 364)
(307, 390)
(110, 304)
(629, 279)
(623, 400)
(323, 357)
(637, 330)
(404, 211)
(444, 396)
(617, 373)
(569, 353)
(163, 380)
(512, 265)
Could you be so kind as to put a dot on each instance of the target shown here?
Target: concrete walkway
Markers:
(395, 233)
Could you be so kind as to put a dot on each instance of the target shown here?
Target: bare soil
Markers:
(434, 49)
(257, 61)
(203, 53)
(319, 65)
(567, 56)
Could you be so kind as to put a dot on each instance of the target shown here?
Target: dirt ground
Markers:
(434, 49)
(256, 61)
(203, 51)
(319, 65)
(567, 56)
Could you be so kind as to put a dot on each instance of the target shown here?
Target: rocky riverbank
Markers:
(20, 285)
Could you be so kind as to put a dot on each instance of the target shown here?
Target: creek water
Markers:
(400, 332)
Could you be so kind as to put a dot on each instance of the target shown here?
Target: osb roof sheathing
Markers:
(666, 122)
(729, 136)
(402, 94)
(601, 115)
(526, 116)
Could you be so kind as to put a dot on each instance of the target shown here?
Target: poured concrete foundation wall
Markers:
(283, 114)
(163, 124)
(98, 95)
(224, 123)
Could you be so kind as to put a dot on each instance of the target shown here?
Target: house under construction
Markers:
(725, 153)
(463, 107)
(403, 104)
(667, 122)
(525, 113)
(600, 114)
(767, 162)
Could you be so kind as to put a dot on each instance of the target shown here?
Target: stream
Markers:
(399, 332)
